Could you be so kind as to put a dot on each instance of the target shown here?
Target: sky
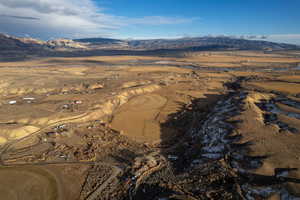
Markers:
(278, 20)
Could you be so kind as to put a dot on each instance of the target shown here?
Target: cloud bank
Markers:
(284, 38)
(68, 18)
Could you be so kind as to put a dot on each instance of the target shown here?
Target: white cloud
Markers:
(280, 38)
(68, 18)
(285, 38)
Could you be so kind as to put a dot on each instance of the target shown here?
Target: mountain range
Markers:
(11, 46)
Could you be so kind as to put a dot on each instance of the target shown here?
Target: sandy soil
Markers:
(28, 183)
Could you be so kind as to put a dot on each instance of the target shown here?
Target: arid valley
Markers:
(201, 124)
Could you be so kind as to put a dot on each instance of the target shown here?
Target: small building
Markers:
(77, 102)
(29, 98)
(12, 102)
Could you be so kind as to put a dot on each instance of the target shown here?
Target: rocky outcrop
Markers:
(65, 43)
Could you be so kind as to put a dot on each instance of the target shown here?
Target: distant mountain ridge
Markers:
(11, 46)
(223, 42)
(28, 45)
(101, 41)
(10, 43)
(192, 43)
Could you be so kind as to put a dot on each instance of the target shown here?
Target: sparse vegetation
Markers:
(203, 125)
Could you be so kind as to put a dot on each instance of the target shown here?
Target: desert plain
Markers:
(203, 125)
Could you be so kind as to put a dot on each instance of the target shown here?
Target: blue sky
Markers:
(216, 17)
(277, 19)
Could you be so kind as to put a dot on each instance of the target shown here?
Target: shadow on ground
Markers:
(226, 177)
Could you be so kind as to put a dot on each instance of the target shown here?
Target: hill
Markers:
(101, 41)
(217, 42)
(12, 48)
(10, 43)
